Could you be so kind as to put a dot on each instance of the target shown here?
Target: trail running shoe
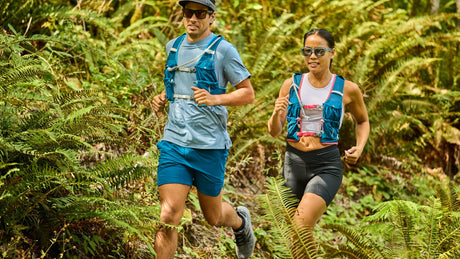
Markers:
(244, 238)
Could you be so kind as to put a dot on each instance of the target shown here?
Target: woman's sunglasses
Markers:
(319, 52)
(200, 14)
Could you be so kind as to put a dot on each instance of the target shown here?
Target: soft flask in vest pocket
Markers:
(332, 113)
(206, 77)
(331, 122)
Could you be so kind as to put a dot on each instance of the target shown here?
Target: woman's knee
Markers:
(310, 209)
(305, 218)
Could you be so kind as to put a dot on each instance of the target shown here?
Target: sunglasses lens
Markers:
(306, 52)
(320, 52)
(200, 14)
(187, 13)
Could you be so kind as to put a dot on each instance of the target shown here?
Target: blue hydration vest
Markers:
(332, 111)
(205, 75)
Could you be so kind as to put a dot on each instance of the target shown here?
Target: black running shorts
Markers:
(319, 171)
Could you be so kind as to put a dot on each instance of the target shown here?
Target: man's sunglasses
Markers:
(200, 14)
(319, 52)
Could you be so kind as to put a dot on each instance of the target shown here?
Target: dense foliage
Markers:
(78, 134)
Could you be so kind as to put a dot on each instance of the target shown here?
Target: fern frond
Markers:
(347, 252)
(122, 170)
(272, 46)
(138, 220)
(21, 73)
(449, 197)
(362, 246)
(280, 204)
(430, 230)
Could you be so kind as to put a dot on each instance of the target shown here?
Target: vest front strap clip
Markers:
(186, 69)
(183, 96)
(182, 69)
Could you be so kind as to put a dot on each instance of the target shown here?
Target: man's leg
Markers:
(219, 213)
(173, 197)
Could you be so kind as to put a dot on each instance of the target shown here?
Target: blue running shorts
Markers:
(203, 168)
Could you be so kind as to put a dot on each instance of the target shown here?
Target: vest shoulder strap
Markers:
(212, 46)
(209, 51)
(296, 79)
(172, 55)
(337, 88)
(177, 43)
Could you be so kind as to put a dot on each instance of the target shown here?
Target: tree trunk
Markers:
(458, 11)
(435, 6)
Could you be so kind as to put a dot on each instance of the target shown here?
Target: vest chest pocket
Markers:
(292, 120)
(169, 84)
(206, 79)
(331, 122)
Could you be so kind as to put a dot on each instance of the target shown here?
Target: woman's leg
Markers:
(310, 209)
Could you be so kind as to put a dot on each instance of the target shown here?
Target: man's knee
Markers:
(171, 214)
(214, 219)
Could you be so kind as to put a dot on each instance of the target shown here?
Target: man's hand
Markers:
(203, 97)
(159, 102)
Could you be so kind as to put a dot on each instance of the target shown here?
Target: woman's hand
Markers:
(352, 155)
(281, 105)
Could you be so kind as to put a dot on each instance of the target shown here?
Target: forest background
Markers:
(78, 132)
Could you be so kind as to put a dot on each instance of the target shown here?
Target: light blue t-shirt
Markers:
(197, 127)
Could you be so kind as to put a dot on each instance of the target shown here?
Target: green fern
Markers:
(358, 245)
(408, 229)
(290, 241)
(48, 140)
